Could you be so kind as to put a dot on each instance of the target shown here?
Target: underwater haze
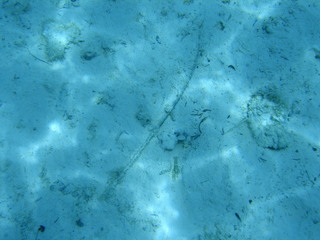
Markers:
(159, 120)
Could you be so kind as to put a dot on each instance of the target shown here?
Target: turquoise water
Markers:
(159, 119)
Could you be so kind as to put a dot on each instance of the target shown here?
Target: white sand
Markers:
(164, 120)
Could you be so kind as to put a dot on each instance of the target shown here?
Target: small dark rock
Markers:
(41, 228)
(88, 55)
(79, 223)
